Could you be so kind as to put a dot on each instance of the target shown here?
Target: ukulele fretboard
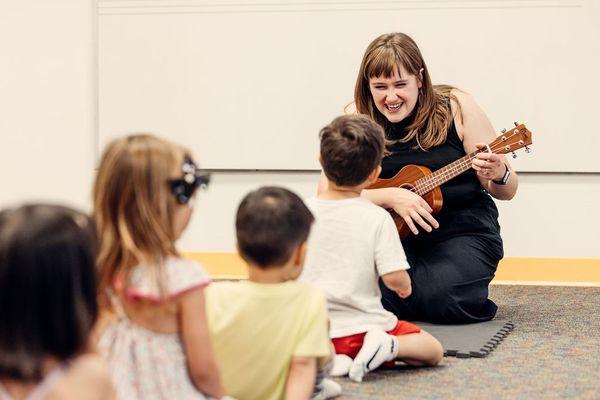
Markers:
(444, 174)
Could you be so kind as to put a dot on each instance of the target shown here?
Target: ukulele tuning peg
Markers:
(527, 149)
(503, 130)
(516, 123)
(514, 154)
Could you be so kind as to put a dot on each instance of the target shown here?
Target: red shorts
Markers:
(350, 345)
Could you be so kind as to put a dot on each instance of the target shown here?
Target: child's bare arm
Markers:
(301, 378)
(399, 282)
(201, 361)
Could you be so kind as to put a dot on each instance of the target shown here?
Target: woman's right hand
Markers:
(409, 205)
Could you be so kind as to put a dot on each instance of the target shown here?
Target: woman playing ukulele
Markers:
(453, 256)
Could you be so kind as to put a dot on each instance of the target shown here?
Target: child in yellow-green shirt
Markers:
(270, 333)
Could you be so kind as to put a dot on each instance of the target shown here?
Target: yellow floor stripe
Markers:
(221, 265)
(585, 270)
(514, 270)
(545, 283)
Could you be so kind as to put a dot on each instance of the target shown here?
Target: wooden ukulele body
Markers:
(406, 179)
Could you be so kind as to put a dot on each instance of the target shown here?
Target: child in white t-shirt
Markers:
(352, 244)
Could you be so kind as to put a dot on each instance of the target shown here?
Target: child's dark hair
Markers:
(352, 146)
(271, 223)
(47, 287)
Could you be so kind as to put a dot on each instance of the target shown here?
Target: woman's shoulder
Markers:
(463, 102)
(86, 377)
(464, 107)
(461, 97)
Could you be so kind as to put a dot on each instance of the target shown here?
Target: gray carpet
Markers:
(469, 340)
(554, 352)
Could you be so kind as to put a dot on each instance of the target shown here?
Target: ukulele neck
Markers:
(444, 174)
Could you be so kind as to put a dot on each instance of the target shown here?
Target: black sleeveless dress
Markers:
(452, 266)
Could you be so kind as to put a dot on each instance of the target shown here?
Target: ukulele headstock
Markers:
(514, 139)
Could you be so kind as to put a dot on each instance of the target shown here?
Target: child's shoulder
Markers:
(86, 374)
(356, 206)
(179, 276)
(310, 293)
(307, 288)
(291, 286)
(378, 214)
(180, 265)
(312, 302)
(284, 291)
(353, 202)
(224, 287)
(183, 274)
(90, 364)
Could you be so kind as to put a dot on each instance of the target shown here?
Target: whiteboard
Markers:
(248, 84)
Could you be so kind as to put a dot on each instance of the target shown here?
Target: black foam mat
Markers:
(471, 340)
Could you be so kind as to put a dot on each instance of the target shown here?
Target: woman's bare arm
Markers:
(476, 131)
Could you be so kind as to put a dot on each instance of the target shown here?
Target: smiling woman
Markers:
(454, 256)
(396, 95)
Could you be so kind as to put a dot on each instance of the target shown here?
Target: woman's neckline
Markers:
(398, 129)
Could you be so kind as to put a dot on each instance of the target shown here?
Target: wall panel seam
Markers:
(142, 7)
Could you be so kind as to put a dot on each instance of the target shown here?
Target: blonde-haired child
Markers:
(157, 344)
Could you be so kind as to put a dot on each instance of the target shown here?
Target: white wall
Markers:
(47, 144)
(249, 83)
(47, 100)
(553, 215)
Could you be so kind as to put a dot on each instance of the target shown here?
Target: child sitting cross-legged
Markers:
(354, 243)
(270, 333)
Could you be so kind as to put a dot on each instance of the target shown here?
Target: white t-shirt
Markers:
(352, 243)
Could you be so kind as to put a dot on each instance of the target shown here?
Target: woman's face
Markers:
(395, 97)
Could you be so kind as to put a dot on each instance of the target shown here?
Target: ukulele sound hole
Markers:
(407, 186)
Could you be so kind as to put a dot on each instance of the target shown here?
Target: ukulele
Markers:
(426, 184)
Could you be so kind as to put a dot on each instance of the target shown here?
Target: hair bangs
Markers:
(385, 61)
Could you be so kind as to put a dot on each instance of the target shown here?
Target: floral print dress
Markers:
(146, 364)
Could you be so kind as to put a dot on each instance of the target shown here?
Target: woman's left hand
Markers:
(489, 165)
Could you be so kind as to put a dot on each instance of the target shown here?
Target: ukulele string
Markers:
(430, 181)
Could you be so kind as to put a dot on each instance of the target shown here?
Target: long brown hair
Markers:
(134, 208)
(432, 113)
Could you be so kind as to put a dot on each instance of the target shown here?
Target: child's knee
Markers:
(437, 354)
(432, 352)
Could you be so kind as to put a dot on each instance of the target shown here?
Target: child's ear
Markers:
(373, 176)
(300, 254)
